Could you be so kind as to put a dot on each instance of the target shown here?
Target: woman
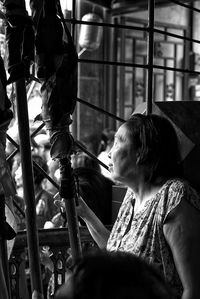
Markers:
(159, 219)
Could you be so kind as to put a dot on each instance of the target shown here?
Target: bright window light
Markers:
(28, 7)
(66, 5)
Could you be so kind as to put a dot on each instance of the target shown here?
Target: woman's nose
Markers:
(109, 155)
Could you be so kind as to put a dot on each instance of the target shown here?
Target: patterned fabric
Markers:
(142, 233)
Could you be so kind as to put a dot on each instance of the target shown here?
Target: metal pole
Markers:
(78, 106)
(150, 53)
(122, 70)
(113, 75)
(68, 193)
(3, 245)
(29, 194)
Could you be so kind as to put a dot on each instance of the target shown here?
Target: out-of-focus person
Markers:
(45, 208)
(118, 275)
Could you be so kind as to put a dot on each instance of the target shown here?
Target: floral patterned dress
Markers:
(142, 233)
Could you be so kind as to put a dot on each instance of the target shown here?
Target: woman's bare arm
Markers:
(182, 233)
(96, 228)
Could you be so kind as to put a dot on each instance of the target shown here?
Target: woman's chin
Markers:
(119, 180)
(115, 177)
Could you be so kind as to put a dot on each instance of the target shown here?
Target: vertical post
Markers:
(3, 252)
(73, 18)
(78, 106)
(68, 193)
(150, 53)
(29, 194)
(122, 70)
(3, 290)
(113, 75)
(188, 85)
(106, 55)
(76, 116)
(63, 141)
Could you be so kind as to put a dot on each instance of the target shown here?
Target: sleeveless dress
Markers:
(142, 233)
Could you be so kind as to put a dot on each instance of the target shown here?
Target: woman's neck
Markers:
(143, 191)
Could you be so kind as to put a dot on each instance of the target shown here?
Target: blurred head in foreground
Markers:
(117, 275)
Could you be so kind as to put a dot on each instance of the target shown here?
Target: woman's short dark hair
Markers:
(157, 145)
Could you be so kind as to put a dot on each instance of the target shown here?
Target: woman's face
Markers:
(123, 166)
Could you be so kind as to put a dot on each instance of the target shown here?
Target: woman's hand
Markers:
(96, 228)
(82, 208)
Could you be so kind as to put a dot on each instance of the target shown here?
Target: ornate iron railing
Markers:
(56, 242)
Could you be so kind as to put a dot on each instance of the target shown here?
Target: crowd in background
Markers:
(95, 184)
